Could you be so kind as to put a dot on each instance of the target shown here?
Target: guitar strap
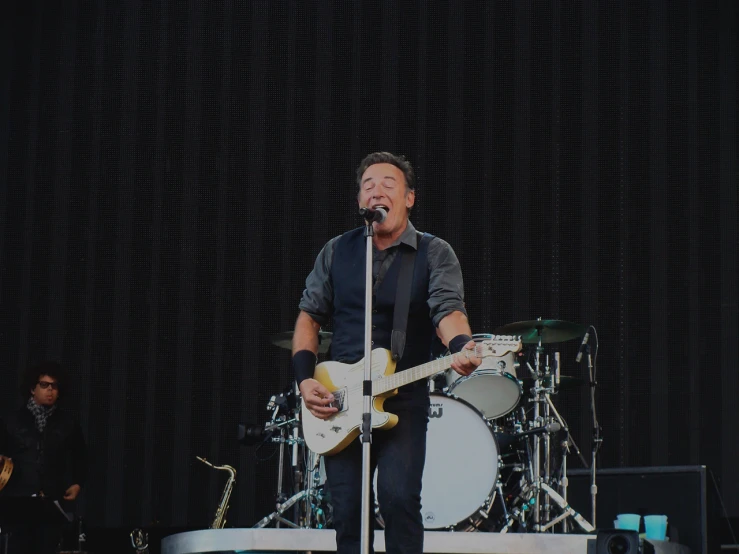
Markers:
(403, 298)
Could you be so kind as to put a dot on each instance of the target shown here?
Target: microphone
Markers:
(377, 215)
(582, 347)
(552, 427)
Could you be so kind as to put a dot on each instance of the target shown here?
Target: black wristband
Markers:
(304, 364)
(458, 342)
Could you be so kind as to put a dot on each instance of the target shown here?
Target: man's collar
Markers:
(409, 237)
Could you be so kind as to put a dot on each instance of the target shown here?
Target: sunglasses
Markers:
(47, 384)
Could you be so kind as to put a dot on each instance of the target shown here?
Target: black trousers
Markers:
(399, 455)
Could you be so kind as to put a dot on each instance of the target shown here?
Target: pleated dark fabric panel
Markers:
(170, 171)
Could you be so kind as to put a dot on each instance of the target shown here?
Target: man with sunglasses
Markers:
(48, 451)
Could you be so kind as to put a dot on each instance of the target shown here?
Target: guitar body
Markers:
(330, 436)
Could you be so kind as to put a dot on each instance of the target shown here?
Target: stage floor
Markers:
(436, 542)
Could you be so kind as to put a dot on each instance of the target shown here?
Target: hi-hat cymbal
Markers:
(285, 340)
(549, 330)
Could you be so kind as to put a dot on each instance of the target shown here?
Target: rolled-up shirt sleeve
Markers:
(446, 288)
(317, 299)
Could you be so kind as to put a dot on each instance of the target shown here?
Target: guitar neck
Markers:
(411, 375)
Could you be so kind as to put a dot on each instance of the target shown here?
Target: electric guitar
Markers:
(344, 381)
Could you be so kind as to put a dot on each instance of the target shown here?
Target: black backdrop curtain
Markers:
(170, 170)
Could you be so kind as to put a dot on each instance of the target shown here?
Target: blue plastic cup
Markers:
(656, 527)
(632, 522)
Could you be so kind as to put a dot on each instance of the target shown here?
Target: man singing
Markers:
(335, 290)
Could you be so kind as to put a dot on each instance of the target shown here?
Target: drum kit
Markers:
(500, 420)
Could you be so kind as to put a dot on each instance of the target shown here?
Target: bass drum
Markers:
(461, 468)
(492, 388)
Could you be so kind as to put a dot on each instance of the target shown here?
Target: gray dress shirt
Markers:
(446, 290)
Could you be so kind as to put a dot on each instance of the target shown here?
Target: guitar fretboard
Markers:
(397, 380)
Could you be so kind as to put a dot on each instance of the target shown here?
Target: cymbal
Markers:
(551, 330)
(285, 340)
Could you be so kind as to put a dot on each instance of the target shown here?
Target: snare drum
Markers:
(492, 388)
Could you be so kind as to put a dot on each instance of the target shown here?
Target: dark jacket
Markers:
(51, 461)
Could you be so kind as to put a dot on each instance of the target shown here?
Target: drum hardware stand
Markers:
(309, 494)
(536, 460)
(528, 497)
(564, 481)
(541, 419)
(289, 427)
(499, 490)
(541, 484)
(562, 503)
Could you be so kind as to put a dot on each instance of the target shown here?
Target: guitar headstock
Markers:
(498, 345)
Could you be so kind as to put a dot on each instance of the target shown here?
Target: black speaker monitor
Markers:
(679, 492)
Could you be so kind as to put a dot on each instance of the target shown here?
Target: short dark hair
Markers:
(398, 161)
(33, 374)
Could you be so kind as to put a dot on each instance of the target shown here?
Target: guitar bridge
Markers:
(339, 400)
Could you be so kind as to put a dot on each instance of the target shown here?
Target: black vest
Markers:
(347, 276)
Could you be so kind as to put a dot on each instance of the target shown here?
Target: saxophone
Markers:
(219, 522)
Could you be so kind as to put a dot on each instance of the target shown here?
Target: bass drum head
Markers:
(461, 463)
(461, 467)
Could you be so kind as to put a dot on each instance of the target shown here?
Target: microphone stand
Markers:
(597, 439)
(367, 393)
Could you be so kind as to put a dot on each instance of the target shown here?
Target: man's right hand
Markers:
(317, 398)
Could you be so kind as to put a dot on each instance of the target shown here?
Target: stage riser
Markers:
(272, 541)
